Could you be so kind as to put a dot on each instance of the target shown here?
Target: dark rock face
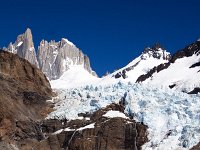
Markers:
(28, 129)
(152, 71)
(14, 68)
(195, 65)
(107, 134)
(24, 90)
(187, 51)
(195, 91)
(197, 147)
(123, 72)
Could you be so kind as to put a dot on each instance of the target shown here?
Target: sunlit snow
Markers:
(113, 114)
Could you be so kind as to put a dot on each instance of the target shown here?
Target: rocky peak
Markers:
(156, 51)
(53, 58)
(188, 51)
(24, 47)
(28, 39)
(56, 57)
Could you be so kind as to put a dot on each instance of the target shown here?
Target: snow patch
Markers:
(19, 44)
(32, 49)
(58, 132)
(114, 114)
(68, 42)
(75, 76)
(90, 126)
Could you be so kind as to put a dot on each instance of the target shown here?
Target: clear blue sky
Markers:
(110, 32)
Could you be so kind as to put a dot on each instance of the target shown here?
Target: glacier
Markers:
(172, 117)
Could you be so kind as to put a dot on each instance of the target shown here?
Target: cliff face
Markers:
(56, 57)
(94, 132)
(24, 90)
(24, 47)
(53, 58)
(20, 70)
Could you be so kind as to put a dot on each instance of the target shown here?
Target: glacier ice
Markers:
(173, 117)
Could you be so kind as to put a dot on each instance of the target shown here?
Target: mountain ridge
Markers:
(187, 62)
(53, 58)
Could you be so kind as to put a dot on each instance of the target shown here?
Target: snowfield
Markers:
(173, 117)
(74, 77)
(180, 74)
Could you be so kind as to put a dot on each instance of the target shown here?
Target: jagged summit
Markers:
(150, 57)
(156, 51)
(24, 47)
(182, 72)
(53, 58)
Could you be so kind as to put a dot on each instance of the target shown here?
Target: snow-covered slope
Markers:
(150, 58)
(179, 74)
(183, 71)
(75, 76)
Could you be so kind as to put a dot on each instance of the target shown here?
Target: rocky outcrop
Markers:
(24, 90)
(195, 91)
(14, 68)
(96, 132)
(56, 57)
(24, 47)
(156, 51)
(196, 147)
(152, 71)
(188, 51)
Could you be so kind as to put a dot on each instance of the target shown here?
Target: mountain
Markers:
(150, 57)
(182, 72)
(53, 58)
(152, 103)
(24, 47)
